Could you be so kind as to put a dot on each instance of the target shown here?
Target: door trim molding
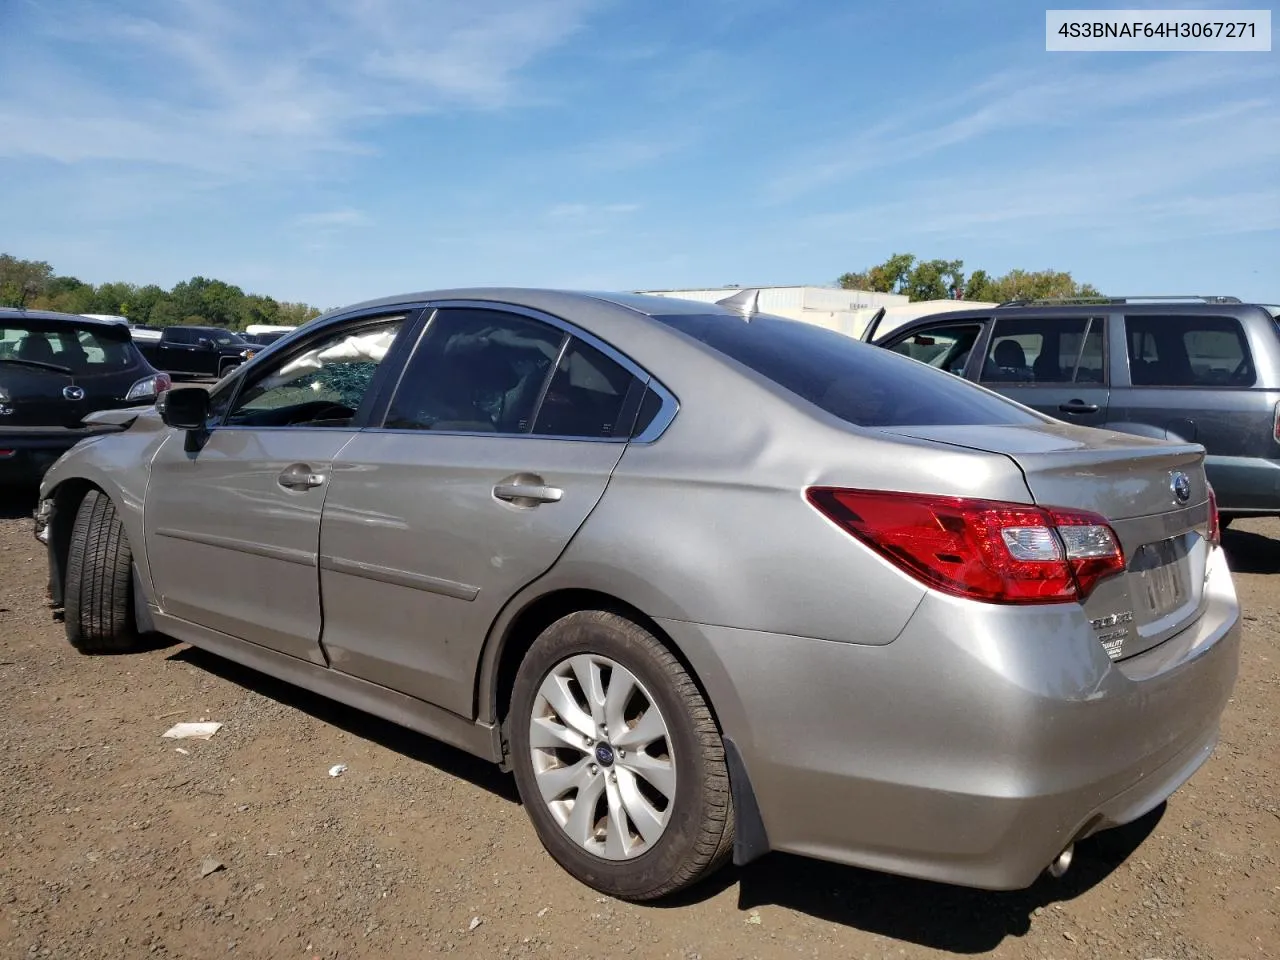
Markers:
(301, 557)
(400, 578)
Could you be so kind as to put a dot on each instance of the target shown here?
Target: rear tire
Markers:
(99, 588)
(686, 785)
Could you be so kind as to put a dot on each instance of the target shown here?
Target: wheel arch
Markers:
(524, 620)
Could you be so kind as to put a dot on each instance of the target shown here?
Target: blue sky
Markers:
(333, 150)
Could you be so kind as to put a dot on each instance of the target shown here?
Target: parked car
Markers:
(56, 368)
(265, 339)
(706, 581)
(195, 351)
(1203, 370)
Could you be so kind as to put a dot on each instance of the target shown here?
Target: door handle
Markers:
(527, 494)
(1078, 406)
(299, 476)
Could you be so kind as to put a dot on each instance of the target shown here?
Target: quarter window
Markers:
(1048, 351)
(1188, 351)
(323, 383)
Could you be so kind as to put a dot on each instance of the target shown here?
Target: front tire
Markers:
(99, 588)
(618, 759)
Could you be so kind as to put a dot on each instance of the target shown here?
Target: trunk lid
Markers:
(1138, 486)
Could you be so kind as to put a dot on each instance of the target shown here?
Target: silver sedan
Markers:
(710, 583)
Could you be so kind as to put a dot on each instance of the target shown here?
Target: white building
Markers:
(846, 311)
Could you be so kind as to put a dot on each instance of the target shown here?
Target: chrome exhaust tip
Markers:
(1062, 862)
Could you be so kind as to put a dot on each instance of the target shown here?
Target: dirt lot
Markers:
(104, 828)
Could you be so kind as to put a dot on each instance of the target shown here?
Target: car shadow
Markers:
(943, 917)
(407, 743)
(935, 915)
(17, 503)
(1249, 552)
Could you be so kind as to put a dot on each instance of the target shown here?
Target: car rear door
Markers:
(1195, 376)
(233, 523)
(1056, 365)
(496, 444)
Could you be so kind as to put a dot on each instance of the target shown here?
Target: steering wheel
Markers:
(319, 410)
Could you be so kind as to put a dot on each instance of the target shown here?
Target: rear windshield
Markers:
(861, 384)
(75, 349)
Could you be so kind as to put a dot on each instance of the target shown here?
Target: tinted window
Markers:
(946, 348)
(180, 335)
(1035, 350)
(1188, 351)
(323, 383)
(587, 396)
(79, 350)
(476, 371)
(859, 383)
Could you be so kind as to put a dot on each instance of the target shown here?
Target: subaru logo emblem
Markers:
(604, 754)
(73, 393)
(1180, 484)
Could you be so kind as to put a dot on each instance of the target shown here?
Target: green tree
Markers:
(22, 281)
(937, 279)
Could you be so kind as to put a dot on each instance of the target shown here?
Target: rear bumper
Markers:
(27, 452)
(974, 747)
(1245, 485)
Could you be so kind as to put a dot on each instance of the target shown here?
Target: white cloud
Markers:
(345, 217)
(587, 211)
(240, 89)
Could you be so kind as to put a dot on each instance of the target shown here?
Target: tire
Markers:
(99, 588)
(696, 833)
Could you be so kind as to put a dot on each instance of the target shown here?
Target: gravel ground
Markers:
(418, 850)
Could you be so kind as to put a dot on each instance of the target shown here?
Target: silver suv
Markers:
(1204, 370)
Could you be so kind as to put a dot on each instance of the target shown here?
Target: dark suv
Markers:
(1202, 369)
(55, 369)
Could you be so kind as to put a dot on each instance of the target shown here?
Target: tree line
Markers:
(199, 301)
(945, 280)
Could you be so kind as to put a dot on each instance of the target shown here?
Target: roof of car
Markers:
(7, 313)
(1033, 309)
(544, 299)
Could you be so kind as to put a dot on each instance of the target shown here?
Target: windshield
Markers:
(861, 384)
(223, 339)
(75, 349)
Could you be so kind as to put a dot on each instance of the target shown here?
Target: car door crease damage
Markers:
(403, 508)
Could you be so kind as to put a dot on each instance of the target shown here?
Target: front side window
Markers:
(476, 371)
(861, 384)
(1188, 351)
(322, 383)
(1045, 351)
(946, 348)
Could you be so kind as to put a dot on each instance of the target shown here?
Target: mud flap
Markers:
(750, 842)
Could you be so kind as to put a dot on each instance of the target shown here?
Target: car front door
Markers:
(233, 523)
(499, 440)
(1056, 365)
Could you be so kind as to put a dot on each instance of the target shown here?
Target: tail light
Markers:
(980, 549)
(1275, 424)
(1214, 534)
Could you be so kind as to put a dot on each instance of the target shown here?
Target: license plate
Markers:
(1164, 586)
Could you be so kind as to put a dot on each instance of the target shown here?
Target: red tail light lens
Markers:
(980, 549)
(163, 383)
(1214, 534)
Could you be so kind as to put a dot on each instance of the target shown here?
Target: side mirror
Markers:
(186, 408)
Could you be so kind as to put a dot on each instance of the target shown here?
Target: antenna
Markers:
(745, 302)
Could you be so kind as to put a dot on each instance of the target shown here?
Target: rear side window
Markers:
(1053, 350)
(587, 396)
(476, 371)
(861, 384)
(1188, 351)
